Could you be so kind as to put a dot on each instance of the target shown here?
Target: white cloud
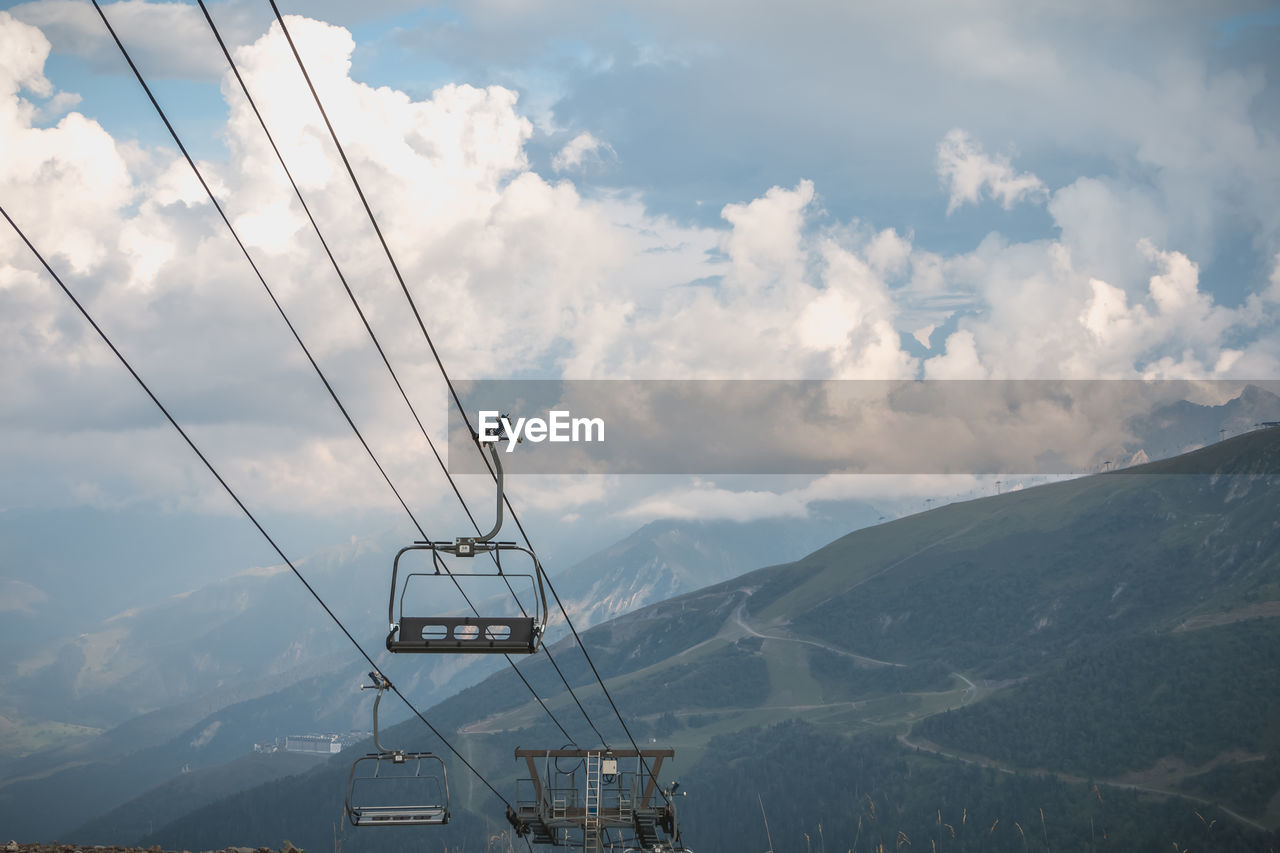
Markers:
(857, 315)
(1100, 221)
(23, 51)
(764, 242)
(57, 106)
(703, 500)
(1038, 315)
(789, 301)
(888, 252)
(959, 359)
(42, 169)
(579, 151)
(967, 172)
(520, 275)
(20, 597)
(509, 268)
(160, 35)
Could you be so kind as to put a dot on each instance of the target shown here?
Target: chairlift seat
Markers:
(398, 816)
(477, 634)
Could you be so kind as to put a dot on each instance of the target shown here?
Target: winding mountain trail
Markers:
(990, 764)
(739, 617)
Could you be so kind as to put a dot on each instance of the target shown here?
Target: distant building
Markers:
(322, 744)
(325, 744)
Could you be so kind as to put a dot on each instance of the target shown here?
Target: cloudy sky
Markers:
(657, 190)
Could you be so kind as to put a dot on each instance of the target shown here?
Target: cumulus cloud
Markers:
(151, 29)
(968, 173)
(20, 597)
(764, 241)
(579, 151)
(23, 51)
(75, 159)
(512, 270)
(888, 252)
(1041, 316)
(785, 299)
(522, 276)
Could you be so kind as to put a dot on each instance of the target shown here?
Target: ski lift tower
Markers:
(591, 799)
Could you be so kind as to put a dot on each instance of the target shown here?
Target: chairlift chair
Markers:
(492, 634)
(476, 634)
(391, 787)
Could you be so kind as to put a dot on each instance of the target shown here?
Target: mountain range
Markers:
(126, 699)
(974, 644)
(1091, 664)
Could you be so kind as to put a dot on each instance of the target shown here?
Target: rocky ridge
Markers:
(56, 847)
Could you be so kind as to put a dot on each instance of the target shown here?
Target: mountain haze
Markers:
(667, 558)
(963, 611)
(248, 647)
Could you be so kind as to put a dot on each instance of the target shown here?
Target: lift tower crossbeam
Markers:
(603, 797)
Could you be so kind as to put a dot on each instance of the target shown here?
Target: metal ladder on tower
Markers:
(591, 816)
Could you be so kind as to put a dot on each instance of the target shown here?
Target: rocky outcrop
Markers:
(56, 847)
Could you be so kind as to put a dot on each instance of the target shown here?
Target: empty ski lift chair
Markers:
(476, 633)
(391, 787)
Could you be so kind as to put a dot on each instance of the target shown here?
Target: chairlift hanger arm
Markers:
(497, 523)
(465, 544)
(380, 684)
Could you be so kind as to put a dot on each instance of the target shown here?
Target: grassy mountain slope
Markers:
(1129, 592)
(1127, 706)
(999, 585)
